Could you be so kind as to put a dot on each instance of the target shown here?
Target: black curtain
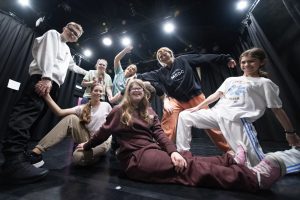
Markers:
(16, 40)
(280, 69)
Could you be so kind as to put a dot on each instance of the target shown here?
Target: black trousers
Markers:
(28, 110)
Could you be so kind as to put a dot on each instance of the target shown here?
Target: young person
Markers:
(51, 60)
(81, 122)
(98, 76)
(147, 154)
(243, 100)
(121, 76)
(182, 87)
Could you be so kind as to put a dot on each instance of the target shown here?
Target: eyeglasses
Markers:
(136, 89)
(73, 32)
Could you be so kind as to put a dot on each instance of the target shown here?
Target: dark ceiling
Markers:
(202, 25)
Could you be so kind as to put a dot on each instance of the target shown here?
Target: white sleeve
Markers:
(271, 92)
(46, 50)
(222, 88)
(75, 68)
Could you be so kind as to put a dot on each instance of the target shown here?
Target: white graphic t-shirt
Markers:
(247, 97)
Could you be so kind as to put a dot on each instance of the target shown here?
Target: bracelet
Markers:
(290, 132)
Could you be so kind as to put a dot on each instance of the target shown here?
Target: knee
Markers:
(83, 158)
(183, 115)
(71, 117)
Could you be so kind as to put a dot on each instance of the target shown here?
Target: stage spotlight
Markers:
(87, 53)
(169, 27)
(126, 41)
(107, 41)
(242, 5)
(24, 3)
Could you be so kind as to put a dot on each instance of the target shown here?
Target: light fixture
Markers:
(168, 27)
(242, 5)
(126, 41)
(87, 53)
(24, 3)
(107, 41)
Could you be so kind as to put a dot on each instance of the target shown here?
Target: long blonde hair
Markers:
(128, 107)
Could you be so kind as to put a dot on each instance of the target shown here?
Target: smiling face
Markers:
(72, 32)
(136, 93)
(250, 65)
(101, 65)
(165, 56)
(97, 90)
(130, 71)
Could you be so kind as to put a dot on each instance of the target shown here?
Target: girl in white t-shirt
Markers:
(243, 100)
(81, 122)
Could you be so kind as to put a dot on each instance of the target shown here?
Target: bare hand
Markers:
(178, 161)
(293, 139)
(231, 63)
(80, 146)
(128, 49)
(168, 107)
(43, 87)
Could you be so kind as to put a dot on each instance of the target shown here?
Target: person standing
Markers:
(94, 77)
(51, 60)
(243, 100)
(182, 88)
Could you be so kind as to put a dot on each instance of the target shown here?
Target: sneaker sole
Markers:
(26, 181)
(39, 164)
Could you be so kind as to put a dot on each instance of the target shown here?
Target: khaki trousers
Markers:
(70, 125)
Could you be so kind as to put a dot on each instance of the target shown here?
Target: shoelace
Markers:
(263, 168)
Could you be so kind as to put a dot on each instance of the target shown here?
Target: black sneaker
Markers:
(18, 170)
(35, 159)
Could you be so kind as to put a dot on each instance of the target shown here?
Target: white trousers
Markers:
(233, 131)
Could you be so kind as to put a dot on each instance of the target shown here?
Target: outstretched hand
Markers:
(231, 63)
(178, 161)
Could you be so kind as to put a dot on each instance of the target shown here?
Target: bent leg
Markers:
(202, 119)
(169, 121)
(68, 125)
(84, 158)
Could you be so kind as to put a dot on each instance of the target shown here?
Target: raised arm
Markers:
(56, 109)
(119, 56)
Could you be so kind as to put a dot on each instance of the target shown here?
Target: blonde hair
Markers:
(259, 54)
(159, 52)
(78, 26)
(102, 61)
(128, 107)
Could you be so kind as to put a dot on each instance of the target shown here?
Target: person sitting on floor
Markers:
(81, 122)
(147, 154)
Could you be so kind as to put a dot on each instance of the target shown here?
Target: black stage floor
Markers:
(104, 181)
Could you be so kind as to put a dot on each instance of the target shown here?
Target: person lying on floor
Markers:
(147, 154)
(81, 122)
